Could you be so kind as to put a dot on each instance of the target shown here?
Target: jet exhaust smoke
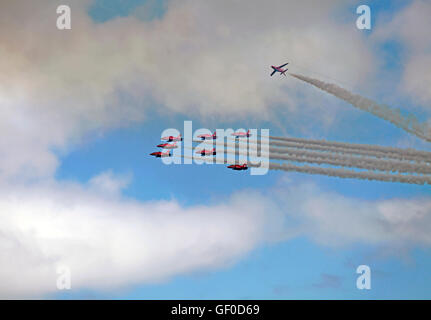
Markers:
(350, 151)
(409, 123)
(374, 150)
(302, 153)
(343, 173)
(353, 162)
(286, 145)
(344, 161)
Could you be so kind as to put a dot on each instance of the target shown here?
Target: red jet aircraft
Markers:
(238, 167)
(208, 136)
(205, 152)
(279, 69)
(160, 154)
(172, 138)
(242, 134)
(168, 145)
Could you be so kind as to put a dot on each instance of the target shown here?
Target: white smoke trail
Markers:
(411, 155)
(348, 151)
(408, 153)
(350, 162)
(345, 161)
(343, 173)
(409, 123)
(358, 161)
(377, 154)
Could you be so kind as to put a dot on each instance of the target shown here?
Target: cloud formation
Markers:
(410, 26)
(100, 236)
(335, 220)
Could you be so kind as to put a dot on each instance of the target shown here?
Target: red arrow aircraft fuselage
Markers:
(238, 167)
(208, 136)
(205, 152)
(160, 154)
(172, 138)
(168, 145)
(242, 134)
(279, 69)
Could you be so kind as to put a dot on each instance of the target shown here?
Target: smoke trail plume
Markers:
(354, 162)
(409, 153)
(342, 148)
(345, 161)
(343, 173)
(409, 123)
(377, 154)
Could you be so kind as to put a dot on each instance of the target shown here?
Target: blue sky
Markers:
(89, 142)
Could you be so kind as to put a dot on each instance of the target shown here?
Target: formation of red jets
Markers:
(204, 152)
(171, 143)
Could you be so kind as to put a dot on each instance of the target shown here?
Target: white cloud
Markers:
(411, 27)
(109, 183)
(110, 242)
(333, 219)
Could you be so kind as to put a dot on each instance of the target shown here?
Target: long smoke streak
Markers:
(357, 161)
(346, 148)
(340, 173)
(345, 161)
(383, 150)
(336, 160)
(409, 124)
(330, 150)
(350, 151)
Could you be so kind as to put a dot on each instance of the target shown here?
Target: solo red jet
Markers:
(208, 136)
(160, 154)
(168, 145)
(172, 138)
(238, 167)
(279, 69)
(205, 152)
(242, 134)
